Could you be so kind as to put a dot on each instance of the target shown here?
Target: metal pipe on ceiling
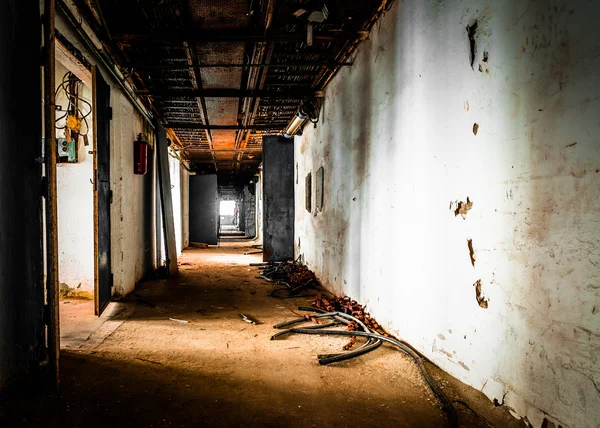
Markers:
(69, 9)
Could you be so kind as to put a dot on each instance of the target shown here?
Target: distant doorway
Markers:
(229, 218)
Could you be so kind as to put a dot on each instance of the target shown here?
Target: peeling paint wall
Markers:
(502, 289)
(131, 210)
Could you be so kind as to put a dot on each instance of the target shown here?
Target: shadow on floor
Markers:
(183, 357)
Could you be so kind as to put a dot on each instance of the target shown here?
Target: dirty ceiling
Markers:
(221, 74)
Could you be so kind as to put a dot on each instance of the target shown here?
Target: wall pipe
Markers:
(96, 46)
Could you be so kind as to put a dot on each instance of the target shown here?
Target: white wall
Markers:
(127, 210)
(397, 144)
(176, 194)
(75, 206)
(130, 217)
(259, 209)
(185, 208)
(180, 195)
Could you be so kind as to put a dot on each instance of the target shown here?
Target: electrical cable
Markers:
(70, 79)
(481, 418)
(325, 359)
(292, 291)
(447, 405)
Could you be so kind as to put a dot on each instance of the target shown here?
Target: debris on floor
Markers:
(348, 306)
(179, 321)
(293, 275)
(249, 319)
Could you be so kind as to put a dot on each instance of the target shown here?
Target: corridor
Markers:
(217, 370)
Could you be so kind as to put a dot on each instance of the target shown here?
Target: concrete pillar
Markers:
(21, 256)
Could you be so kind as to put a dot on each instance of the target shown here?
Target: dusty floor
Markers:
(136, 367)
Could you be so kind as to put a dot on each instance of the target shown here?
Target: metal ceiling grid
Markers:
(242, 64)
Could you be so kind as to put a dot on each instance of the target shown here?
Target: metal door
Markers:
(103, 279)
(204, 209)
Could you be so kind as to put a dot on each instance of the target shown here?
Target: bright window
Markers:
(227, 207)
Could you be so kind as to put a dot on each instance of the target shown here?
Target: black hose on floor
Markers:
(447, 405)
(291, 291)
(310, 327)
(325, 359)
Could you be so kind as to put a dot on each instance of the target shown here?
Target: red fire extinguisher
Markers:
(140, 156)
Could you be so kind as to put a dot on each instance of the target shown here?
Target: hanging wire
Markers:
(68, 81)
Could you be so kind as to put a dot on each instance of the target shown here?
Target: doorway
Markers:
(229, 218)
(74, 131)
(83, 195)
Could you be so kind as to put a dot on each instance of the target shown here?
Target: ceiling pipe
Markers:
(69, 9)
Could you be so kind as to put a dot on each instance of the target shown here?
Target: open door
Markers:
(103, 279)
(204, 209)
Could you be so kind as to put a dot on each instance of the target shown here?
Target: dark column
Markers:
(278, 198)
(21, 256)
(204, 209)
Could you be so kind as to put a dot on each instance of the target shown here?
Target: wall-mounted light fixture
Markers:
(309, 110)
(296, 124)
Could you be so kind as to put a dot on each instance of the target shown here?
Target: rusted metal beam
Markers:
(191, 45)
(246, 162)
(237, 36)
(199, 149)
(267, 127)
(172, 67)
(231, 93)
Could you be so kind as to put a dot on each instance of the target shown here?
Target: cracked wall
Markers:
(504, 297)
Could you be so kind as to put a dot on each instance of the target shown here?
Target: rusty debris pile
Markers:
(330, 313)
(348, 306)
(292, 276)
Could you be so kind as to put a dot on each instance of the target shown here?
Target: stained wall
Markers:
(453, 103)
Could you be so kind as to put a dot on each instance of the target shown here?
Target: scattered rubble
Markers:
(248, 319)
(347, 306)
(294, 276)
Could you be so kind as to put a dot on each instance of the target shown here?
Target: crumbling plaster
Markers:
(413, 129)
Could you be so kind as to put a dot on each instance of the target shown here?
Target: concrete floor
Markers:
(137, 367)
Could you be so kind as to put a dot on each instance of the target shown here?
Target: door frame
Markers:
(98, 305)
